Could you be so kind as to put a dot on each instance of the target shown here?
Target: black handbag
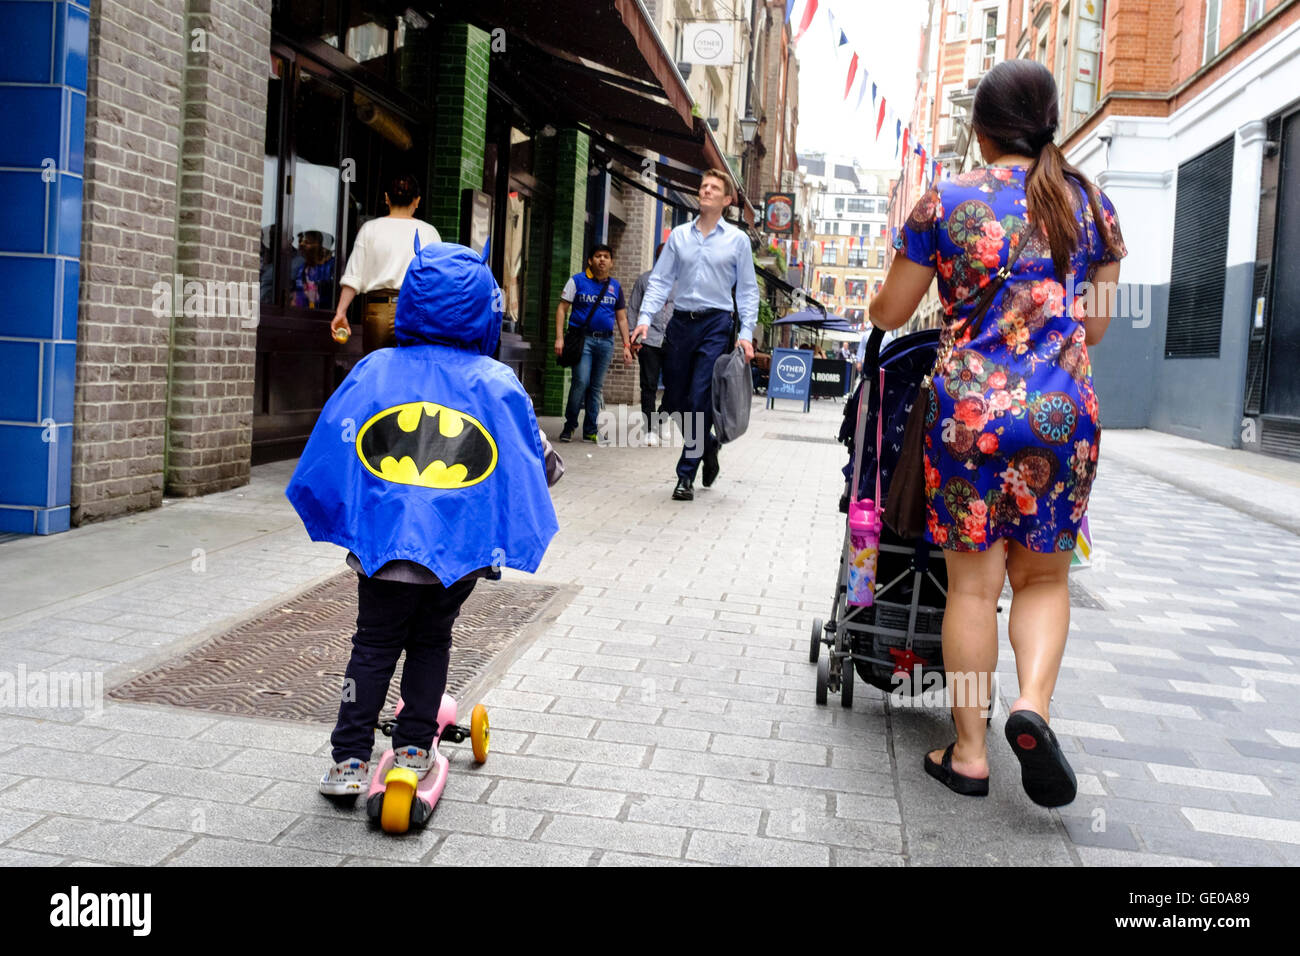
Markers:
(906, 499)
(576, 335)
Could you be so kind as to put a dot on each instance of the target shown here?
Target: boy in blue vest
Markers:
(592, 300)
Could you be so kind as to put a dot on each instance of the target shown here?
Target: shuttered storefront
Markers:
(1202, 207)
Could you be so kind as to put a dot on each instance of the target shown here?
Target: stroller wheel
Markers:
(823, 678)
(816, 648)
(846, 682)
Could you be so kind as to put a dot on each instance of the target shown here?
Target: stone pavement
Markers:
(666, 716)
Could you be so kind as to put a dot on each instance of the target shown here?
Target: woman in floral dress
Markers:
(1013, 426)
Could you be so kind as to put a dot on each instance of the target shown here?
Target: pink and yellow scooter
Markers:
(398, 798)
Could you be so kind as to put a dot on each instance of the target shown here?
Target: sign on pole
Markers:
(709, 44)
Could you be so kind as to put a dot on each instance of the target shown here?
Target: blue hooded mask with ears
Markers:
(429, 452)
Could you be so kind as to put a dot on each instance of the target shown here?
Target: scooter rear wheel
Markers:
(479, 733)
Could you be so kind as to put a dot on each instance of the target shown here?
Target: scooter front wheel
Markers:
(399, 792)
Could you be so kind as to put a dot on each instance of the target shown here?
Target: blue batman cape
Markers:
(429, 452)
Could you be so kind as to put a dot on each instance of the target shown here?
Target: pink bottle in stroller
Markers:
(864, 538)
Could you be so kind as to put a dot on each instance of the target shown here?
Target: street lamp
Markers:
(748, 127)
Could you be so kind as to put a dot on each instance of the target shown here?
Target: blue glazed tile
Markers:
(64, 235)
(63, 469)
(22, 197)
(72, 45)
(17, 521)
(26, 42)
(28, 462)
(26, 310)
(20, 385)
(74, 143)
(53, 520)
(71, 279)
(32, 120)
(58, 381)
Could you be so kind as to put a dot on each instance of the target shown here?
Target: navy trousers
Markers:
(393, 616)
(691, 348)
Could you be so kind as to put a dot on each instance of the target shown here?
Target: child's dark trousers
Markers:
(392, 617)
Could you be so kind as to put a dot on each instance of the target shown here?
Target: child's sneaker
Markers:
(413, 758)
(347, 778)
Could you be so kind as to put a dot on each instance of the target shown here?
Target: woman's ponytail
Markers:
(1016, 107)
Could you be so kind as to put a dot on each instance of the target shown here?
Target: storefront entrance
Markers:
(347, 109)
(1280, 421)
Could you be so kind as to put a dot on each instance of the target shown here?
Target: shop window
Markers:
(271, 179)
(318, 117)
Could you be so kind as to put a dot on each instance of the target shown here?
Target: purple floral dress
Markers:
(1012, 429)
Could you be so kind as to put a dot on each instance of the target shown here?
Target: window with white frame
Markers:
(957, 15)
(1211, 30)
(830, 254)
(1254, 11)
(990, 51)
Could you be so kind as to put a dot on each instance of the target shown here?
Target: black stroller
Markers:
(896, 644)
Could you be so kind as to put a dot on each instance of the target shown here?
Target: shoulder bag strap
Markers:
(586, 319)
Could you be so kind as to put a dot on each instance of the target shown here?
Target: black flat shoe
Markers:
(711, 467)
(1045, 774)
(685, 490)
(954, 781)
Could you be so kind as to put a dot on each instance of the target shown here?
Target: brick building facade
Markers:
(1186, 113)
(181, 214)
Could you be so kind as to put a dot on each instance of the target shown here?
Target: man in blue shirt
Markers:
(707, 259)
(594, 301)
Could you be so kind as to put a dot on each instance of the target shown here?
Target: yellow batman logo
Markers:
(428, 445)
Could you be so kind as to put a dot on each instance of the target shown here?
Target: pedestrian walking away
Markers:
(383, 250)
(592, 300)
(706, 261)
(649, 350)
(1012, 425)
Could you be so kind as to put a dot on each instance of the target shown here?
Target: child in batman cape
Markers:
(427, 464)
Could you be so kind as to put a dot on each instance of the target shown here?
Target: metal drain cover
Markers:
(289, 663)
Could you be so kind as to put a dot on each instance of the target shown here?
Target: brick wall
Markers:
(129, 211)
(210, 416)
(1155, 48)
(633, 253)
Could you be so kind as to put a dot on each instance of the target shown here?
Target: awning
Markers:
(774, 280)
(602, 67)
(814, 319)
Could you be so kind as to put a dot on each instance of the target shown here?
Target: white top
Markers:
(382, 251)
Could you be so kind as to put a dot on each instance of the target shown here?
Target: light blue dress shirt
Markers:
(704, 270)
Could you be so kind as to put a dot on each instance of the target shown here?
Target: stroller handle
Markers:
(871, 357)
